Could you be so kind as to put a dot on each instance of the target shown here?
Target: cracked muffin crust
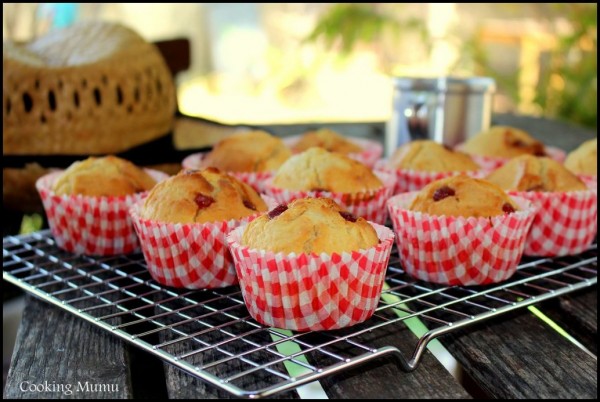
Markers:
(584, 159)
(103, 176)
(309, 225)
(465, 196)
(317, 169)
(252, 151)
(197, 196)
(327, 139)
(430, 156)
(503, 142)
(532, 173)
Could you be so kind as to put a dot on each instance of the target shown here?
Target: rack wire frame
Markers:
(209, 333)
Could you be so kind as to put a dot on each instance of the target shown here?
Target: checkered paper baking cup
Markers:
(91, 225)
(371, 149)
(490, 163)
(565, 224)
(413, 180)
(369, 204)
(254, 179)
(188, 255)
(311, 292)
(459, 250)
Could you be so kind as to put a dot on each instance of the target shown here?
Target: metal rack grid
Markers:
(209, 333)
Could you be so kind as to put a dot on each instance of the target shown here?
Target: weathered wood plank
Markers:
(519, 356)
(65, 357)
(384, 377)
(217, 359)
(577, 314)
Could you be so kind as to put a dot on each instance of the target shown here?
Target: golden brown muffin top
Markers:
(198, 196)
(309, 225)
(319, 169)
(252, 151)
(327, 139)
(535, 173)
(584, 159)
(430, 156)
(103, 176)
(503, 142)
(465, 196)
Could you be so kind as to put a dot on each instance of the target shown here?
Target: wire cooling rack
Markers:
(209, 333)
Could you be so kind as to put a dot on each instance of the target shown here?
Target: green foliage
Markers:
(568, 87)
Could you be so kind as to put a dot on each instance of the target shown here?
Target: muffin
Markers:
(317, 172)
(364, 150)
(182, 225)
(584, 159)
(420, 162)
(309, 225)
(319, 169)
(198, 196)
(310, 265)
(566, 221)
(102, 177)
(503, 142)
(251, 156)
(253, 151)
(460, 230)
(493, 147)
(430, 156)
(87, 204)
(326, 139)
(532, 173)
(463, 196)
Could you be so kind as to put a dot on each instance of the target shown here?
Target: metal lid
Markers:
(446, 84)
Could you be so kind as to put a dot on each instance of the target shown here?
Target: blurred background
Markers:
(255, 63)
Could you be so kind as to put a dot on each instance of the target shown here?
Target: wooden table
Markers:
(516, 355)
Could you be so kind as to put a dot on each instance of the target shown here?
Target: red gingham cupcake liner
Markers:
(188, 255)
(453, 250)
(254, 179)
(490, 163)
(589, 180)
(303, 292)
(371, 149)
(369, 204)
(413, 180)
(565, 224)
(91, 225)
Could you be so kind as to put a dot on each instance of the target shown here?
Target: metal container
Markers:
(448, 110)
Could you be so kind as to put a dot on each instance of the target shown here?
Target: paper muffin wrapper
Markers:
(368, 204)
(565, 224)
(371, 149)
(254, 179)
(303, 292)
(412, 180)
(188, 255)
(589, 180)
(490, 163)
(91, 225)
(460, 250)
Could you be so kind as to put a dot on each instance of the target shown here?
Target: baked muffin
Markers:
(310, 265)
(503, 142)
(87, 204)
(534, 173)
(465, 196)
(430, 156)
(327, 139)
(197, 196)
(252, 151)
(584, 159)
(317, 169)
(103, 176)
(309, 225)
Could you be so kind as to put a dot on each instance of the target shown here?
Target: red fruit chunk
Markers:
(442, 193)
